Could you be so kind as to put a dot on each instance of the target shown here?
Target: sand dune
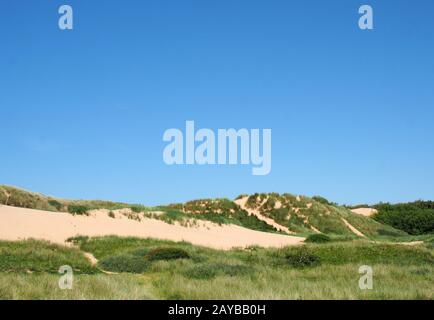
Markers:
(242, 203)
(20, 223)
(367, 212)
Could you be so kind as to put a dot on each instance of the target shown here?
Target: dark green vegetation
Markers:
(318, 238)
(166, 254)
(414, 218)
(125, 263)
(301, 258)
(148, 268)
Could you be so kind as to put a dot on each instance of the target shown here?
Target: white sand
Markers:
(20, 223)
(367, 212)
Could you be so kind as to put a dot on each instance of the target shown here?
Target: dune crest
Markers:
(242, 203)
(367, 212)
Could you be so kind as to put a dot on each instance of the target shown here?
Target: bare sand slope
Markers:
(20, 223)
(367, 212)
(352, 228)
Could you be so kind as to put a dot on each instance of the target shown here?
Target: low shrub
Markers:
(318, 238)
(78, 240)
(77, 209)
(323, 200)
(56, 204)
(125, 263)
(136, 209)
(301, 258)
(167, 254)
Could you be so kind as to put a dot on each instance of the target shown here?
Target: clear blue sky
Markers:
(351, 112)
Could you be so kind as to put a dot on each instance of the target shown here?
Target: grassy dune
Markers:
(153, 269)
(301, 215)
(16, 197)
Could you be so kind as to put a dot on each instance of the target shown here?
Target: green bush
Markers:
(78, 240)
(167, 254)
(137, 209)
(209, 271)
(56, 204)
(78, 209)
(323, 200)
(415, 218)
(318, 238)
(125, 263)
(301, 258)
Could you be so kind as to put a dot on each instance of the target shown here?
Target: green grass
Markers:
(39, 256)
(112, 245)
(407, 238)
(210, 271)
(313, 271)
(322, 282)
(139, 260)
(361, 252)
(85, 287)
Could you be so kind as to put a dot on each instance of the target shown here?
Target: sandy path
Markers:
(20, 223)
(89, 256)
(242, 203)
(351, 227)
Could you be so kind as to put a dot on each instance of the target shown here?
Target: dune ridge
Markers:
(21, 223)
